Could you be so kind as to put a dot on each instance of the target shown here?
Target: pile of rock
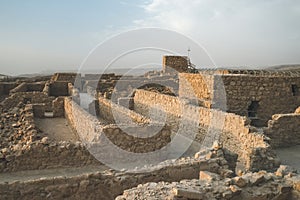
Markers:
(283, 184)
(17, 128)
(222, 183)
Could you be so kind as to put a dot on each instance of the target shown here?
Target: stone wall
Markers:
(5, 87)
(20, 88)
(73, 92)
(39, 110)
(84, 124)
(32, 97)
(58, 107)
(58, 88)
(197, 86)
(28, 87)
(138, 139)
(91, 130)
(39, 86)
(273, 94)
(173, 64)
(65, 77)
(233, 130)
(108, 184)
(27, 144)
(111, 112)
(283, 130)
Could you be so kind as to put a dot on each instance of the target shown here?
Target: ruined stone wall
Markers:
(235, 132)
(84, 124)
(58, 88)
(35, 86)
(58, 107)
(39, 110)
(108, 184)
(283, 130)
(65, 77)
(110, 111)
(273, 93)
(30, 150)
(28, 87)
(90, 129)
(74, 93)
(47, 156)
(198, 86)
(20, 88)
(32, 97)
(5, 87)
(173, 64)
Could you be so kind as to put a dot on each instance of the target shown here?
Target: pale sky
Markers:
(38, 36)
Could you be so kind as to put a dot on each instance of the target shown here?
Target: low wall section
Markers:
(41, 153)
(105, 185)
(283, 130)
(28, 87)
(91, 131)
(111, 112)
(33, 97)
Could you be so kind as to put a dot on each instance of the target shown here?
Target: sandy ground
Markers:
(290, 156)
(49, 173)
(56, 129)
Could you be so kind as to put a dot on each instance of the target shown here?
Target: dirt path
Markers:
(290, 156)
(56, 129)
(30, 175)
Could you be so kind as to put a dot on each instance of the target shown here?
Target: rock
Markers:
(5, 151)
(239, 181)
(296, 182)
(257, 179)
(187, 193)
(226, 173)
(235, 189)
(209, 176)
(45, 140)
(227, 194)
(16, 125)
(217, 145)
(285, 188)
(284, 170)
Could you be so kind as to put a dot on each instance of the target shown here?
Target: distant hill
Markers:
(295, 67)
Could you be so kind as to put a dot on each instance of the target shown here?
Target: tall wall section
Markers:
(274, 94)
(175, 64)
(236, 92)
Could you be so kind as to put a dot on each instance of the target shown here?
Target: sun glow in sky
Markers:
(38, 36)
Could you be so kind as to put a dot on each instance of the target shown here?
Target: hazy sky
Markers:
(51, 35)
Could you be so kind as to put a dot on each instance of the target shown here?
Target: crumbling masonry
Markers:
(232, 120)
